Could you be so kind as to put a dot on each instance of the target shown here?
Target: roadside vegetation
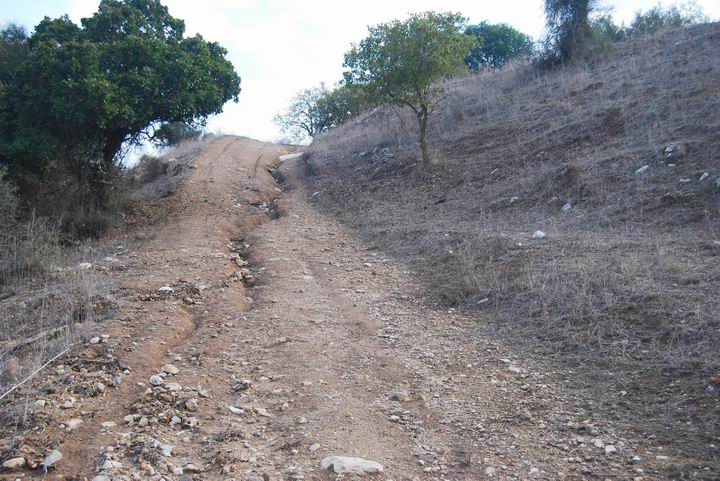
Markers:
(571, 200)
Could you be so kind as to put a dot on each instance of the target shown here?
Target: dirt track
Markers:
(330, 353)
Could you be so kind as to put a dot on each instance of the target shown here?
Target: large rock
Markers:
(51, 459)
(14, 463)
(347, 464)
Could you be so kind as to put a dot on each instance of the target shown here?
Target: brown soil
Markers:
(339, 348)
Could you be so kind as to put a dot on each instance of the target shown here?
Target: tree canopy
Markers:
(82, 91)
(401, 63)
(497, 45)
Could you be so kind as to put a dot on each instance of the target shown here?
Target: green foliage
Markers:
(319, 109)
(402, 62)
(657, 18)
(605, 30)
(569, 32)
(13, 52)
(497, 45)
(81, 92)
(173, 133)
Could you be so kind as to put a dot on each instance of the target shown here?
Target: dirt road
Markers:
(317, 348)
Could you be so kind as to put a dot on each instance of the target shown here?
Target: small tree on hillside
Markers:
(402, 63)
(304, 117)
(319, 109)
(568, 28)
(497, 45)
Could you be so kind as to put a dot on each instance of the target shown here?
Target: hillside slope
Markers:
(618, 163)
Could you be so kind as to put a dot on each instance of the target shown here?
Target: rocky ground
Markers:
(256, 339)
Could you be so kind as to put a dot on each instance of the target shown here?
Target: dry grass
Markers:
(625, 284)
(155, 177)
(47, 300)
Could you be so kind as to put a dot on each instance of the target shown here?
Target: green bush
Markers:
(497, 45)
(173, 133)
(657, 18)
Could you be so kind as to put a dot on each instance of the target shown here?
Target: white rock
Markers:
(347, 464)
(314, 447)
(166, 289)
(262, 412)
(51, 459)
(111, 464)
(170, 369)
(73, 424)
(296, 155)
(598, 443)
(101, 477)
(14, 463)
(235, 410)
(489, 471)
(166, 450)
(173, 386)
(83, 266)
(642, 169)
(538, 234)
(107, 424)
(514, 199)
(95, 340)
(566, 207)
(156, 380)
(704, 176)
(610, 449)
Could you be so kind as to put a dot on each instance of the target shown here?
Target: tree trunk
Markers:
(112, 146)
(100, 178)
(422, 116)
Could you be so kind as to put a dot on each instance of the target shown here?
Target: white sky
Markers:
(281, 46)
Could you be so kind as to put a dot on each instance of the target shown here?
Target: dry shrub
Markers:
(34, 247)
(154, 177)
(153, 167)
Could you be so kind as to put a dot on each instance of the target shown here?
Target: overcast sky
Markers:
(281, 46)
